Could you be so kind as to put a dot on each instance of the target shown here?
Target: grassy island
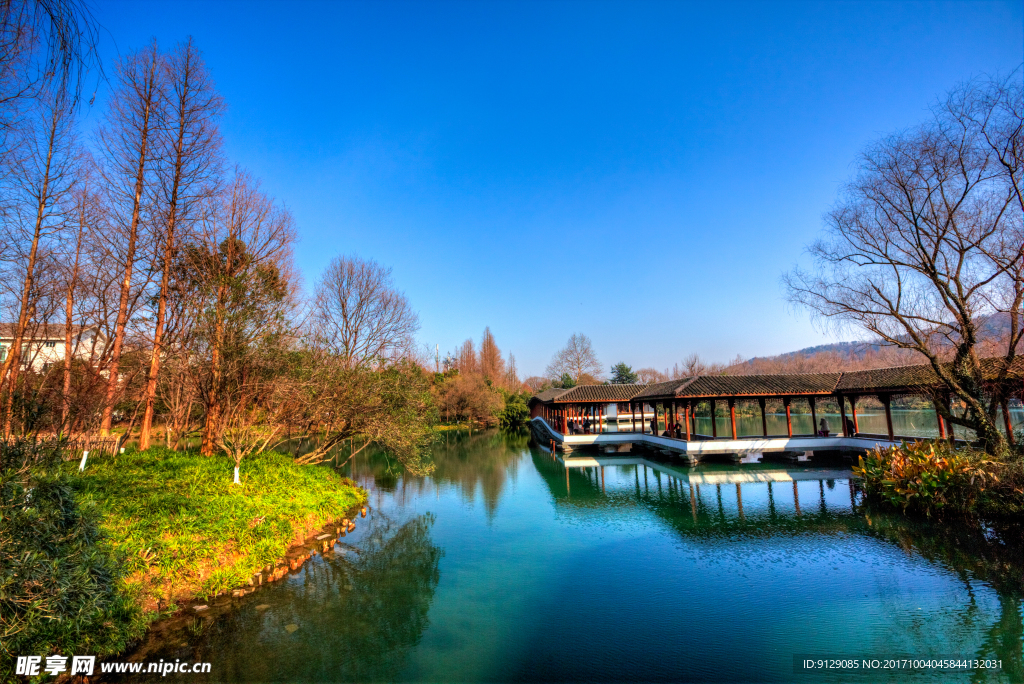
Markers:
(184, 531)
(88, 560)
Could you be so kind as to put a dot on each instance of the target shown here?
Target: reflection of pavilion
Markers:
(707, 499)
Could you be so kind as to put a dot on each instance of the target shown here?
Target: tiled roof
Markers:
(920, 375)
(664, 389)
(550, 394)
(609, 393)
(887, 378)
(760, 385)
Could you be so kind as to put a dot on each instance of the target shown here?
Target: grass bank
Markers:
(932, 477)
(183, 531)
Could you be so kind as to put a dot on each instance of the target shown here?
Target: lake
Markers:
(500, 568)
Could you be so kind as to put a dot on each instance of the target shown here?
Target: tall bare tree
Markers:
(44, 177)
(187, 171)
(576, 359)
(927, 240)
(360, 316)
(491, 364)
(126, 142)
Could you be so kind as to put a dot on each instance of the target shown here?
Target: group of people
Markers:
(577, 427)
(671, 430)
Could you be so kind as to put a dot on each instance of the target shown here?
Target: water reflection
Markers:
(505, 566)
(351, 615)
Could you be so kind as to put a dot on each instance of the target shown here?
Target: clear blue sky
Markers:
(639, 172)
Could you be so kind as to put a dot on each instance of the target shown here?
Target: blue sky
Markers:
(639, 172)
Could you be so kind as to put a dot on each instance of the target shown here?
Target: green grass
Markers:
(184, 531)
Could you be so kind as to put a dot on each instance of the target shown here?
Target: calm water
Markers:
(497, 569)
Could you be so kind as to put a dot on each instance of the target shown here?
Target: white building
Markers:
(44, 344)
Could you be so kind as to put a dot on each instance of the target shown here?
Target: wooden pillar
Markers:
(632, 411)
(693, 416)
(941, 421)
(643, 426)
(688, 421)
(786, 401)
(1009, 423)
(565, 421)
(714, 422)
(842, 414)
(853, 412)
(814, 416)
(764, 418)
(887, 401)
(732, 416)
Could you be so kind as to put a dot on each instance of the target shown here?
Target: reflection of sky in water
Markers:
(619, 584)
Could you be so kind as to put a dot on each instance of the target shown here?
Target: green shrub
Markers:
(932, 477)
(60, 589)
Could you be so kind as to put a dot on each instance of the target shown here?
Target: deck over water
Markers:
(709, 447)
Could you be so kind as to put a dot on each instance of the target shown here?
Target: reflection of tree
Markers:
(993, 555)
(486, 459)
(357, 614)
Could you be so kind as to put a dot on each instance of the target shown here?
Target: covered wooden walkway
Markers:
(669, 409)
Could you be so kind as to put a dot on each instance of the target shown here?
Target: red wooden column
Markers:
(764, 418)
(632, 410)
(714, 421)
(1009, 423)
(565, 421)
(693, 415)
(687, 421)
(643, 424)
(853, 412)
(814, 416)
(732, 415)
(941, 421)
(786, 401)
(887, 401)
(842, 415)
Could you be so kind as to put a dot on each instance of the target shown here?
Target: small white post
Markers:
(81, 466)
(236, 476)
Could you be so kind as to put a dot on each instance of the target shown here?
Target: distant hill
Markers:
(839, 356)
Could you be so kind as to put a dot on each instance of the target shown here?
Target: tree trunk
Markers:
(133, 230)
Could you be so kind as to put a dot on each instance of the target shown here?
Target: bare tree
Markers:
(126, 142)
(491, 364)
(187, 172)
(466, 359)
(927, 239)
(360, 316)
(651, 375)
(242, 286)
(576, 359)
(45, 175)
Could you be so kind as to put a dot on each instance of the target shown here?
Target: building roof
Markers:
(916, 376)
(598, 393)
(795, 384)
(664, 389)
(547, 395)
(885, 380)
(38, 331)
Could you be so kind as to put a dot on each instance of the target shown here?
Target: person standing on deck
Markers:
(823, 428)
